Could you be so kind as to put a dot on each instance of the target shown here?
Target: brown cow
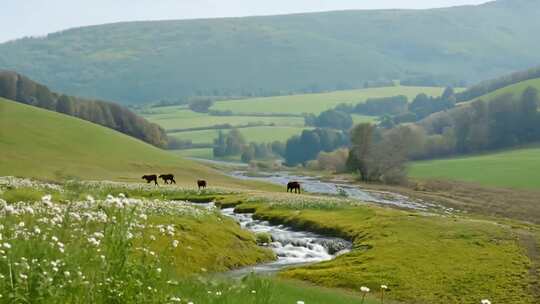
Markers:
(293, 186)
(201, 184)
(150, 178)
(167, 178)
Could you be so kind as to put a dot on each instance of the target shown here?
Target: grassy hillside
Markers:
(518, 168)
(515, 89)
(279, 54)
(44, 144)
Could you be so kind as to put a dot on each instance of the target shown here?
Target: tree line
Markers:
(19, 88)
(379, 153)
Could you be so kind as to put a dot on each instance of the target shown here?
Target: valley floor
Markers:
(423, 257)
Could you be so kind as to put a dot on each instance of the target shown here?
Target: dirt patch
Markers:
(523, 205)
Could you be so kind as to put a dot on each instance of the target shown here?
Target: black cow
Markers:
(201, 184)
(150, 178)
(293, 186)
(168, 178)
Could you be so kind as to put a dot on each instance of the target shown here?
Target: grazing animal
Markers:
(168, 178)
(293, 186)
(150, 178)
(201, 184)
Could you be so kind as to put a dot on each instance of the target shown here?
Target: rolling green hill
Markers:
(44, 144)
(514, 89)
(256, 56)
(518, 168)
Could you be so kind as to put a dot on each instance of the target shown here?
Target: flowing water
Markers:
(339, 187)
(292, 247)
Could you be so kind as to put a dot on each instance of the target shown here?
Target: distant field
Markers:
(516, 169)
(48, 145)
(183, 119)
(316, 103)
(254, 134)
(180, 117)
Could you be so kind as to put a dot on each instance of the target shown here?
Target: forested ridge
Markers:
(169, 61)
(19, 88)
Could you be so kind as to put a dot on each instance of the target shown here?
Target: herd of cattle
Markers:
(169, 179)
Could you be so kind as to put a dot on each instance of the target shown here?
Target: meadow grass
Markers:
(423, 258)
(183, 119)
(253, 134)
(131, 248)
(47, 145)
(206, 153)
(316, 103)
(519, 168)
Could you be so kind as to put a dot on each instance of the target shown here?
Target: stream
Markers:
(342, 188)
(291, 247)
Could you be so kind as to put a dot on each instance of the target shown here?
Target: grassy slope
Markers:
(423, 258)
(45, 144)
(316, 103)
(515, 89)
(518, 168)
(238, 56)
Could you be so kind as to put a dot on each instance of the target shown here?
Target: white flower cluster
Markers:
(15, 182)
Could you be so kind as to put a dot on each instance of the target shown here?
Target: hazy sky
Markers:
(20, 18)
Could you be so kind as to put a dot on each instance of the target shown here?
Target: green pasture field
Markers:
(423, 258)
(316, 103)
(253, 134)
(48, 145)
(519, 168)
(184, 119)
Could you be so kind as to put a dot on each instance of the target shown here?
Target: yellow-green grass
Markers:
(316, 103)
(518, 168)
(48, 145)
(423, 258)
(253, 134)
(516, 89)
(197, 153)
(183, 119)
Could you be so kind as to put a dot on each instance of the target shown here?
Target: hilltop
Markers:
(274, 55)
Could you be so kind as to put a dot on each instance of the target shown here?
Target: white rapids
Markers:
(291, 247)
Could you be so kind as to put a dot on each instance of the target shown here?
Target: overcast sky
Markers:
(19, 18)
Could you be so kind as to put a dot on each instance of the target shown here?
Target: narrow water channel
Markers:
(315, 184)
(292, 247)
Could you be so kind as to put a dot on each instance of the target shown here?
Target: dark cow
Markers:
(201, 184)
(293, 186)
(168, 178)
(150, 178)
